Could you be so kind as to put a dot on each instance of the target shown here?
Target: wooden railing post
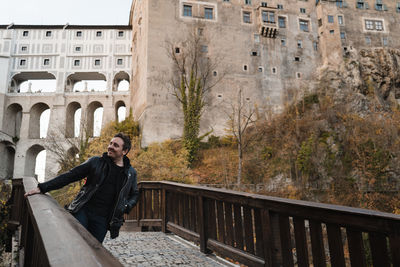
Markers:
(164, 215)
(202, 224)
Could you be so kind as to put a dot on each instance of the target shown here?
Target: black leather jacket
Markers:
(96, 170)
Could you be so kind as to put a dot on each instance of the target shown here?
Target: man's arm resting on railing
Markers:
(62, 180)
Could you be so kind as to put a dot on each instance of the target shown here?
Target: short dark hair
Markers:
(127, 141)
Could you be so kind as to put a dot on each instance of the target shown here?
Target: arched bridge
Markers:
(251, 229)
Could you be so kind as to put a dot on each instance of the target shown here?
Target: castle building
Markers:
(272, 50)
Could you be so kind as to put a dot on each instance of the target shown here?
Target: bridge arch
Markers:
(70, 124)
(86, 81)
(35, 81)
(94, 118)
(30, 159)
(120, 110)
(12, 120)
(7, 153)
(36, 113)
(121, 81)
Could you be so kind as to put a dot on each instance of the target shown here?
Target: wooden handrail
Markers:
(260, 230)
(50, 236)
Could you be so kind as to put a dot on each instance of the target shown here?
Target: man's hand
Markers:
(32, 192)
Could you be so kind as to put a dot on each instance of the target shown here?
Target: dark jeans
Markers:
(95, 224)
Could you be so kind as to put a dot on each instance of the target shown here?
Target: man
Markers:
(109, 192)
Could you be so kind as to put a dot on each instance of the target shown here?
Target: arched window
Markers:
(7, 153)
(94, 118)
(12, 120)
(39, 120)
(33, 163)
(72, 122)
(120, 111)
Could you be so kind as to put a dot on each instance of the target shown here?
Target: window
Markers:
(264, 4)
(208, 13)
(246, 17)
(215, 73)
(302, 10)
(268, 16)
(283, 42)
(362, 5)
(332, 31)
(24, 48)
(279, 6)
(78, 34)
(247, 2)
(97, 62)
(339, 3)
(398, 7)
(372, 25)
(274, 70)
(297, 59)
(303, 25)
(25, 33)
(319, 22)
(200, 31)
(120, 34)
(22, 62)
(98, 34)
(298, 75)
(226, 0)
(204, 48)
(367, 40)
(46, 61)
(187, 11)
(256, 38)
(299, 44)
(77, 62)
(282, 22)
(78, 49)
(260, 69)
(245, 67)
(177, 50)
(340, 20)
(384, 41)
(330, 19)
(48, 33)
(315, 45)
(119, 61)
(254, 53)
(380, 6)
(342, 35)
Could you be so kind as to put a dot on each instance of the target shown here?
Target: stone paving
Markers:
(158, 249)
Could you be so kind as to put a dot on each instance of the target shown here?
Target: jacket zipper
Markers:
(119, 194)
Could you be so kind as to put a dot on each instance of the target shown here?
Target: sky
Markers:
(74, 12)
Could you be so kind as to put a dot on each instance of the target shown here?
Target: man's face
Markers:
(115, 148)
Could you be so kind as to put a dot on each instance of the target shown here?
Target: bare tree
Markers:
(241, 117)
(191, 80)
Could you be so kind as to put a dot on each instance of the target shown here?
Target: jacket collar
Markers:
(126, 160)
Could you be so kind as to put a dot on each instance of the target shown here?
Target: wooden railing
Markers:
(259, 230)
(50, 236)
(252, 229)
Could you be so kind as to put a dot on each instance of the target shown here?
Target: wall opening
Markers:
(94, 118)
(32, 160)
(121, 81)
(37, 86)
(71, 122)
(120, 111)
(86, 82)
(12, 120)
(38, 124)
(33, 82)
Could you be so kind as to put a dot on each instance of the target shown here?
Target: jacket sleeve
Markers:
(133, 195)
(73, 175)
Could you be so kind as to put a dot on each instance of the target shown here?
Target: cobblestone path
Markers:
(158, 249)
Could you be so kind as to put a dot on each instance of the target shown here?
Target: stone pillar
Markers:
(24, 133)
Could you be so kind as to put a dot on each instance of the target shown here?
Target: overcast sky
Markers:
(84, 12)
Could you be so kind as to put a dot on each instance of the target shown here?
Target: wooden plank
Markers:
(193, 214)
(183, 232)
(335, 245)
(237, 213)
(211, 216)
(229, 224)
(394, 241)
(286, 241)
(156, 204)
(356, 248)
(202, 225)
(185, 211)
(248, 229)
(174, 207)
(317, 244)
(150, 222)
(164, 210)
(149, 204)
(259, 233)
(301, 242)
(180, 209)
(235, 254)
(379, 251)
(221, 222)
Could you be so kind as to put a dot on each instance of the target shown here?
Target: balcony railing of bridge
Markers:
(259, 230)
(50, 236)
